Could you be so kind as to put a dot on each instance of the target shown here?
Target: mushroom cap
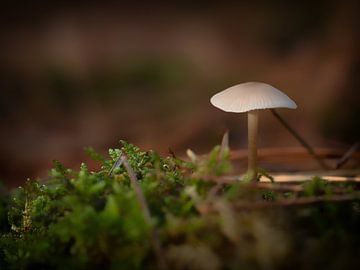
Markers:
(249, 96)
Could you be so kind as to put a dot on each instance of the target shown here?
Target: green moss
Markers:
(80, 219)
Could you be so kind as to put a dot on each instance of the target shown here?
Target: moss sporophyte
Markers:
(144, 211)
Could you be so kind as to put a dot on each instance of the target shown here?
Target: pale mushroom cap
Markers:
(251, 96)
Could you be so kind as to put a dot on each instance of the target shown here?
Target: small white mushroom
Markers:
(250, 97)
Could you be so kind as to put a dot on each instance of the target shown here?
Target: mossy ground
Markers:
(90, 220)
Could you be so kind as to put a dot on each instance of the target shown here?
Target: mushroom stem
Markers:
(253, 120)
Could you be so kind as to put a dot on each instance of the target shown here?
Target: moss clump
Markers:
(89, 220)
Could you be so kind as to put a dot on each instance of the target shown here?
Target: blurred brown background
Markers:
(91, 73)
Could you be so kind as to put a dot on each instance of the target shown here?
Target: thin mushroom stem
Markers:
(253, 120)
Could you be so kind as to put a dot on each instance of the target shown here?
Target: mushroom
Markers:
(250, 97)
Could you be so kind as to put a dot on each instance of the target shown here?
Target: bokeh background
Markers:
(93, 72)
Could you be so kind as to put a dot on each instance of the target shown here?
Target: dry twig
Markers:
(324, 153)
(345, 158)
(221, 181)
(300, 139)
(297, 201)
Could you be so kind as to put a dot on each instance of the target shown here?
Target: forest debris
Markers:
(331, 176)
(328, 153)
(297, 201)
(300, 139)
(224, 143)
(303, 177)
(345, 158)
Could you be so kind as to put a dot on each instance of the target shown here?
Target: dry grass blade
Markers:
(224, 143)
(116, 165)
(146, 212)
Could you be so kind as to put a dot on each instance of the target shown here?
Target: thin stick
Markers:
(277, 187)
(347, 155)
(146, 212)
(221, 181)
(298, 152)
(300, 139)
(282, 179)
(298, 201)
